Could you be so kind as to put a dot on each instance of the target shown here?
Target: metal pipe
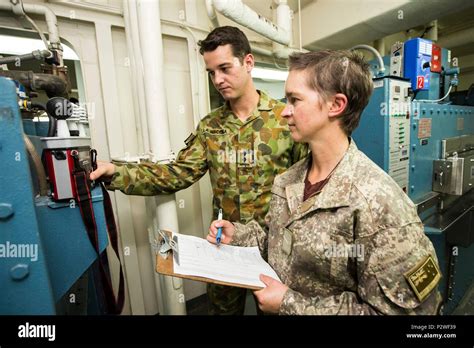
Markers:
(244, 15)
(40, 172)
(211, 13)
(51, 23)
(158, 128)
(282, 15)
(38, 55)
(54, 86)
(374, 51)
(136, 69)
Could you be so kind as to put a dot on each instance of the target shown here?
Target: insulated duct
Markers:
(244, 15)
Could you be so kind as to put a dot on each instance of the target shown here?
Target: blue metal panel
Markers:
(371, 137)
(34, 283)
(444, 124)
(24, 282)
(67, 246)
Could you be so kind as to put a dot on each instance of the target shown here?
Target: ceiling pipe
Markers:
(211, 13)
(282, 14)
(244, 15)
(51, 22)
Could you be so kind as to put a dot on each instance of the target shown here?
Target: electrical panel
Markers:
(399, 132)
(416, 66)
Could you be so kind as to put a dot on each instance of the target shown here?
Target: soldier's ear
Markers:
(337, 105)
(249, 62)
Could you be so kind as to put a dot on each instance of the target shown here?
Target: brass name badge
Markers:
(423, 277)
(287, 241)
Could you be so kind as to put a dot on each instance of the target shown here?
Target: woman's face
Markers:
(306, 111)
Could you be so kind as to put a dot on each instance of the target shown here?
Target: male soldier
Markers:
(244, 145)
(342, 236)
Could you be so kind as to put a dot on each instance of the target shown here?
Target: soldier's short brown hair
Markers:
(226, 35)
(331, 72)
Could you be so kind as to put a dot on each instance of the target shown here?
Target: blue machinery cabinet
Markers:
(44, 247)
(404, 138)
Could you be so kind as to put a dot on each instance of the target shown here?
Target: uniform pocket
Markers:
(396, 289)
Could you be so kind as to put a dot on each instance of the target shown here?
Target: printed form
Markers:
(242, 265)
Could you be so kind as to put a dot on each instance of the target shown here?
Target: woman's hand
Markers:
(227, 231)
(270, 298)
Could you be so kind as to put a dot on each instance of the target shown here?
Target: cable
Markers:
(43, 38)
(437, 100)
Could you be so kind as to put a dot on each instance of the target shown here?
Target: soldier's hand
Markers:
(103, 169)
(227, 231)
(270, 298)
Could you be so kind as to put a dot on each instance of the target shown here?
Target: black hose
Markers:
(52, 121)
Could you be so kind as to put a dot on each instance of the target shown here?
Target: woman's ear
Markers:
(338, 105)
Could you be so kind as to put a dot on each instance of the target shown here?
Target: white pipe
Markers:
(374, 51)
(158, 129)
(51, 22)
(136, 68)
(282, 15)
(211, 13)
(299, 26)
(244, 15)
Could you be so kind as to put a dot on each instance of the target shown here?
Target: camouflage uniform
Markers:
(243, 159)
(349, 249)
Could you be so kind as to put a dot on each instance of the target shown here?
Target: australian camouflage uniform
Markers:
(243, 159)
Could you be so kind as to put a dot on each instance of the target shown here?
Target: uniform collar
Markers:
(264, 104)
(336, 193)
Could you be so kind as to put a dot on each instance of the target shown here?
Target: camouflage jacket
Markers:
(243, 159)
(354, 248)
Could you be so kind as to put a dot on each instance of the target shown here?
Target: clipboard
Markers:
(165, 266)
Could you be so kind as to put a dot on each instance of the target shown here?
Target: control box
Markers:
(417, 58)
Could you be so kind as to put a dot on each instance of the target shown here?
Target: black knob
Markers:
(59, 108)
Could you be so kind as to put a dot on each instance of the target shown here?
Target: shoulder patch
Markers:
(423, 277)
(190, 139)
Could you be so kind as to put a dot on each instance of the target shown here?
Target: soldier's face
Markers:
(229, 75)
(306, 111)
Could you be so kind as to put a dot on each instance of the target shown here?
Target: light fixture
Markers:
(269, 74)
(21, 45)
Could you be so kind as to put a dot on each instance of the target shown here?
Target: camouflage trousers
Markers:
(227, 300)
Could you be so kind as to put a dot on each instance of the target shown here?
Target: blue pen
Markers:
(219, 229)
